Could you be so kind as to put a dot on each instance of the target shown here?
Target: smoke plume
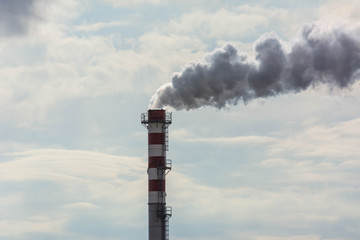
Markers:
(319, 55)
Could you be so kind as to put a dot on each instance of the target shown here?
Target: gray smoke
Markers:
(16, 16)
(319, 55)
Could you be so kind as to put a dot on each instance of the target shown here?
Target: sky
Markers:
(75, 77)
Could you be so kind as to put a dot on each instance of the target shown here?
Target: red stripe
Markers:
(156, 115)
(155, 162)
(156, 138)
(157, 185)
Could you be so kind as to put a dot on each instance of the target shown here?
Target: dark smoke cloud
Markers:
(16, 16)
(319, 55)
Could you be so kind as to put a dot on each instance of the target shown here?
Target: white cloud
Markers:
(81, 205)
(13, 228)
(298, 237)
(82, 181)
(11, 199)
(65, 166)
(115, 186)
(274, 162)
(295, 206)
(344, 10)
(50, 66)
(336, 141)
(299, 187)
(169, 52)
(67, 67)
(121, 3)
(239, 23)
(186, 136)
(61, 11)
(100, 25)
(221, 24)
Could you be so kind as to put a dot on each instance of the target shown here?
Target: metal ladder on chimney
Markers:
(164, 212)
(162, 170)
(166, 216)
(166, 129)
(166, 237)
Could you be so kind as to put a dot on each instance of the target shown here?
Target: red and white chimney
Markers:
(157, 122)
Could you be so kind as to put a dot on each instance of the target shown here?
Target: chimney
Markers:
(157, 121)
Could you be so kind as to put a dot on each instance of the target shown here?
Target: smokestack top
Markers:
(156, 114)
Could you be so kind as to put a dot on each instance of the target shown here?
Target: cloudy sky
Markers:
(75, 76)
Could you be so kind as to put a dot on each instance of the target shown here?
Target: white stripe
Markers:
(155, 128)
(156, 150)
(153, 174)
(157, 197)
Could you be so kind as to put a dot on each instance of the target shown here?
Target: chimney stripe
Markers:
(157, 185)
(156, 138)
